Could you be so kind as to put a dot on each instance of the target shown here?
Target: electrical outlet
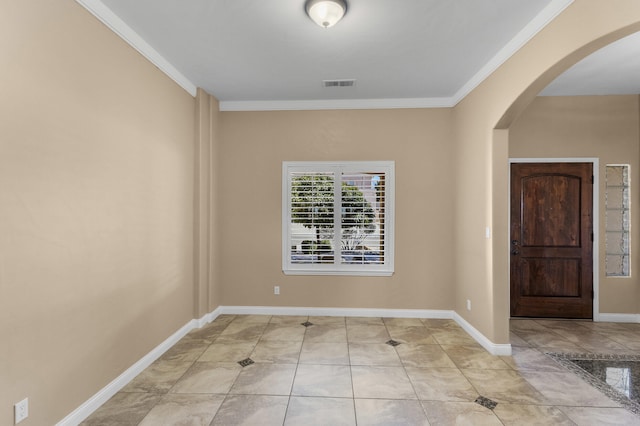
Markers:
(21, 410)
(276, 289)
(468, 305)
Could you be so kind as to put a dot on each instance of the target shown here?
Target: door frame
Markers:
(596, 219)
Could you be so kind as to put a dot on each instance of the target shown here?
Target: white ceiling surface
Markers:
(261, 55)
(613, 70)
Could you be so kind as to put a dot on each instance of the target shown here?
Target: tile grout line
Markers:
(295, 374)
(353, 392)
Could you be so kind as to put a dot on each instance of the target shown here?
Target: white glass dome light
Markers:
(326, 13)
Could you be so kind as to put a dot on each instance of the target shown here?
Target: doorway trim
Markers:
(596, 218)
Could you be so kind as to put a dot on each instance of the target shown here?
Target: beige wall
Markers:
(96, 207)
(603, 127)
(206, 226)
(254, 145)
(482, 151)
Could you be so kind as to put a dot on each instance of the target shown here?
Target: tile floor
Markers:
(370, 371)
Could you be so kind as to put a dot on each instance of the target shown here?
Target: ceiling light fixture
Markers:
(326, 13)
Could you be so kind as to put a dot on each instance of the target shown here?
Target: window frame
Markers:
(338, 168)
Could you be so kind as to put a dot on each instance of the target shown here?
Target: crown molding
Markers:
(547, 15)
(324, 104)
(118, 26)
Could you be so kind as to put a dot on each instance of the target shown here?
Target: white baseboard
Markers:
(207, 318)
(336, 312)
(619, 318)
(93, 403)
(503, 349)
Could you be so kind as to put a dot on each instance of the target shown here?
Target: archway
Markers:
(482, 121)
(501, 147)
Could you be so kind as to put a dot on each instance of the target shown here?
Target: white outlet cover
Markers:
(21, 410)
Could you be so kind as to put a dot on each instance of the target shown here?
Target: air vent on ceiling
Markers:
(338, 83)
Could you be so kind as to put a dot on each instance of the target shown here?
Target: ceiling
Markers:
(261, 55)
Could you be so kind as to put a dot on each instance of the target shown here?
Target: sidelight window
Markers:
(617, 219)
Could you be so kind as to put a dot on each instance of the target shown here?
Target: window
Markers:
(338, 218)
(617, 224)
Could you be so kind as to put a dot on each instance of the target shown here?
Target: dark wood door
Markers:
(552, 240)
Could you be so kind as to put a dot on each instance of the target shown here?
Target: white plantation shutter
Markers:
(338, 218)
(312, 210)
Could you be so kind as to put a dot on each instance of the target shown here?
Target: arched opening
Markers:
(526, 111)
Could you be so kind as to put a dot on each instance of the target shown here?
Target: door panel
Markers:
(550, 277)
(545, 220)
(551, 244)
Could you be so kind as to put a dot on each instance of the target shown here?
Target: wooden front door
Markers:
(552, 240)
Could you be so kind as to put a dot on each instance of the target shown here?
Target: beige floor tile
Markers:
(307, 411)
(288, 319)
(282, 352)
(441, 384)
(251, 319)
(367, 333)
(364, 321)
(334, 333)
(412, 335)
(570, 326)
(224, 319)
(381, 382)
(459, 413)
(589, 416)
(176, 410)
(605, 346)
(549, 340)
(386, 412)
(323, 380)
(373, 354)
(227, 352)
(207, 377)
(629, 339)
(284, 332)
(473, 357)
(324, 353)
(251, 410)
(631, 326)
(320, 320)
(565, 388)
(517, 340)
(124, 409)
(504, 386)
(241, 332)
(208, 332)
(453, 336)
(589, 339)
(187, 349)
(159, 377)
(530, 415)
(424, 356)
(316, 371)
(436, 323)
(525, 358)
(403, 322)
(265, 379)
(526, 325)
